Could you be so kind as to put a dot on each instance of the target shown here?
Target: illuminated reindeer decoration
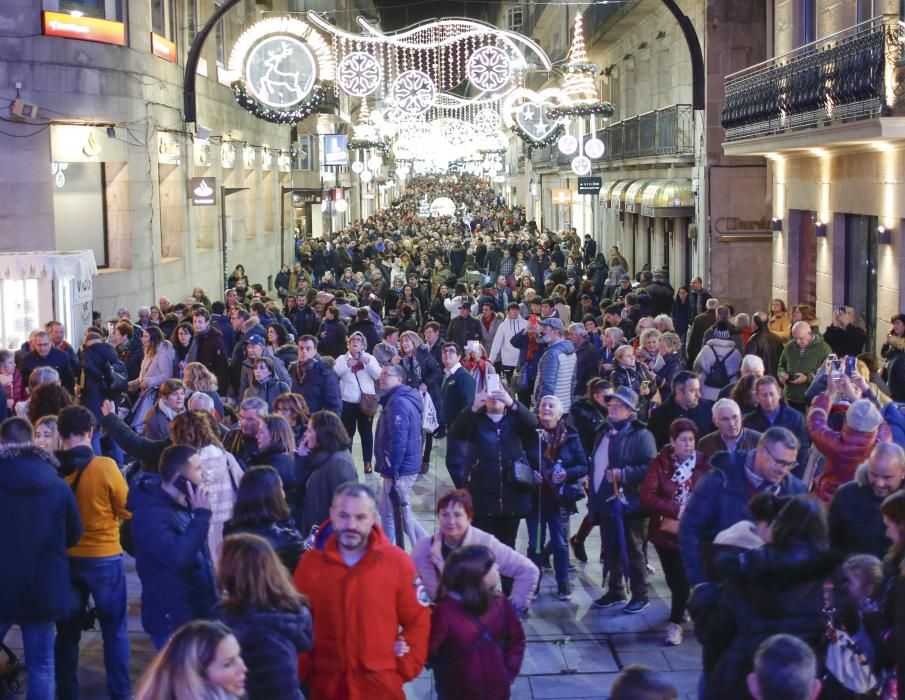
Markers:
(275, 78)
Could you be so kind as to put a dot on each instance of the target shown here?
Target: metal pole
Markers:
(223, 237)
(697, 56)
(191, 63)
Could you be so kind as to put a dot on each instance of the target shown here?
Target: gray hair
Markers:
(146, 310)
(255, 404)
(750, 364)
(712, 303)
(889, 450)
(578, 329)
(555, 399)
(648, 334)
(672, 341)
(802, 324)
(778, 435)
(742, 320)
(43, 375)
(785, 667)
(664, 324)
(355, 489)
(394, 371)
(723, 313)
(199, 401)
(721, 404)
(617, 333)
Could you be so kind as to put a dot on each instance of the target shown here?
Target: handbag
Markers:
(844, 658)
(519, 380)
(522, 473)
(368, 403)
(669, 525)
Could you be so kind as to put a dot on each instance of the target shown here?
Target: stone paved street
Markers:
(574, 651)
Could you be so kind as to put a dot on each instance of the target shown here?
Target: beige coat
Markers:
(222, 475)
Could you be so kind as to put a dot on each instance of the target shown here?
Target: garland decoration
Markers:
(279, 116)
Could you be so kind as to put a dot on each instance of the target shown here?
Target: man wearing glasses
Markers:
(720, 499)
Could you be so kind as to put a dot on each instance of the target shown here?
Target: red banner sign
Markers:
(164, 48)
(84, 28)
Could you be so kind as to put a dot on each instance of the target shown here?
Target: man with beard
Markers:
(353, 571)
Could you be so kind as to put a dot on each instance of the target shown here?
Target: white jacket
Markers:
(501, 348)
(349, 381)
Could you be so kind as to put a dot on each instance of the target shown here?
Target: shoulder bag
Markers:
(368, 403)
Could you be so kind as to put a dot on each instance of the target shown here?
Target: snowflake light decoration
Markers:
(487, 121)
(413, 92)
(489, 68)
(594, 148)
(455, 131)
(359, 74)
(581, 165)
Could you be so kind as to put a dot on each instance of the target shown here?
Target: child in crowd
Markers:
(269, 618)
(476, 641)
(637, 682)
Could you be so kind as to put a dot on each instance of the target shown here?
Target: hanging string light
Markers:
(578, 84)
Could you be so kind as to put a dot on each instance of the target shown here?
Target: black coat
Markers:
(787, 418)
(487, 463)
(94, 362)
(848, 341)
(171, 557)
(141, 448)
(320, 473)
(588, 358)
(630, 450)
(587, 417)
(275, 456)
(768, 347)
(40, 521)
(57, 359)
(283, 536)
(438, 312)
(332, 338)
(856, 526)
(319, 385)
(428, 372)
(461, 330)
(271, 641)
(368, 330)
(663, 416)
(774, 590)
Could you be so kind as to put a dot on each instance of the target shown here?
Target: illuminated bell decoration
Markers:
(581, 165)
(366, 176)
(375, 163)
(594, 148)
(567, 144)
(357, 167)
(340, 205)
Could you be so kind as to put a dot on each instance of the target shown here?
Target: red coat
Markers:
(658, 494)
(358, 612)
(466, 669)
(844, 449)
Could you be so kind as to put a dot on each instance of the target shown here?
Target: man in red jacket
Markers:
(370, 609)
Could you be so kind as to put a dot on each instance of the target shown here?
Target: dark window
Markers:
(80, 208)
(860, 290)
(808, 21)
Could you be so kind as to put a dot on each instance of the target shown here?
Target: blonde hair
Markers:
(52, 422)
(199, 378)
(866, 568)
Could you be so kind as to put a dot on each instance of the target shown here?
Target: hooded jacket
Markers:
(844, 449)
(397, 438)
(556, 373)
(40, 521)
(353, 657)
(318, 383)
(171, 557)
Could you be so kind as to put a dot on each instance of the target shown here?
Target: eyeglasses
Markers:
(779, 462)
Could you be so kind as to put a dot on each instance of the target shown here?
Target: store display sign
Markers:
(84, 28)
(304, 159)
(589, 185)
(335, 152)
(164, 48)
(203, 191)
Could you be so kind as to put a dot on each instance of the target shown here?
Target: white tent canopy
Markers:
(56, 264)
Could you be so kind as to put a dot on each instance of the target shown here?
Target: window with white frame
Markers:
(99, 9)
(163, 18)
(514, 19)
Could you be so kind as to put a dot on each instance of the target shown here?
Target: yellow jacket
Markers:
(101, 499)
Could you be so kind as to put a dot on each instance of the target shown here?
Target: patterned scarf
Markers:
(681, 476)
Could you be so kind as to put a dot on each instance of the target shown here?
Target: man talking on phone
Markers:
(171, 513)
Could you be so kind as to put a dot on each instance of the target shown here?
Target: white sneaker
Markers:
(674, 634)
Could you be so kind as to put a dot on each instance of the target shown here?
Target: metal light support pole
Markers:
(224, 193)
(191, 63)
(697, 57)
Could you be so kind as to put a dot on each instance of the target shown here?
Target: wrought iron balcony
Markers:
(845, 76)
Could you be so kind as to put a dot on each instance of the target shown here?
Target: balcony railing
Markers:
(662, 132)
(845, 76)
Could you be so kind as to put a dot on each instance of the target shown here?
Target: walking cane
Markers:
(541, 438)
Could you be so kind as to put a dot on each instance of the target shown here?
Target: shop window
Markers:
(220, 37)
(163, 18)
(860, 289)
(101, 9)
(80, 208)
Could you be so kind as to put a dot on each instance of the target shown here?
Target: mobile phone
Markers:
(532, 319)
(493, 383)
(645, 384)
(182, 483)
(850, 363)
(842, 310)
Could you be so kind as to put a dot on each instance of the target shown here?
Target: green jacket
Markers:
(793, 362)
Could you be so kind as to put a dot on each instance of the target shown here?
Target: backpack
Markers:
(116, 379)
(718, 376)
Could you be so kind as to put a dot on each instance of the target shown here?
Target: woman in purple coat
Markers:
(477, 642)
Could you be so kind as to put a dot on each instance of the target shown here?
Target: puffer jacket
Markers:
(659, 492)
(171, 557)
(397, 438)
(894, 413)
(792, 362)
(706, 359)
(844, 449)
(673, 363)
(424, 369)
(632, 377)
(320, 473)
(247, 373)
(556, 373)
(487, 463)
(773, 590)
(318, 383)
(575, 463)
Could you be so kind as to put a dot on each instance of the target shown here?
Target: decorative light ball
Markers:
(567, 144)
(581, 165)
(594, 148)
(366, 176)
(357, 167)
(340, 205)
(375, 163)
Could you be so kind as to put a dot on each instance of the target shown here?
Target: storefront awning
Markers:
(668, 198)
(58, 264)
(605, 189)
(632, 199)
(617, 194)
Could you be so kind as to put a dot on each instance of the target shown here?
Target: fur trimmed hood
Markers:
(17, 450)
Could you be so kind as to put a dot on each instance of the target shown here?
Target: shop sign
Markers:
(335, 151)
(83, 290)
(84, 28)
(589, 185)
(314, 197)
(203, 191)
(163, 48)
(169, 151)
(75, 143)
(729, 224)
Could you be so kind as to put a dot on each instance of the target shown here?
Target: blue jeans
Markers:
(553, 518)
(104, 579)
(37, 640)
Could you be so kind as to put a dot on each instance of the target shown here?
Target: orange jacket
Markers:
(358, 612)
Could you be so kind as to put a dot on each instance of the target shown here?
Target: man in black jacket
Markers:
(772, 410)
(171, 514)
(45, 355)
(456, 395)
(588, 358)
(685, 402)
(856, 525)
(464, 328)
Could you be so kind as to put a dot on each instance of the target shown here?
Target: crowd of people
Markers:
(755, 457)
